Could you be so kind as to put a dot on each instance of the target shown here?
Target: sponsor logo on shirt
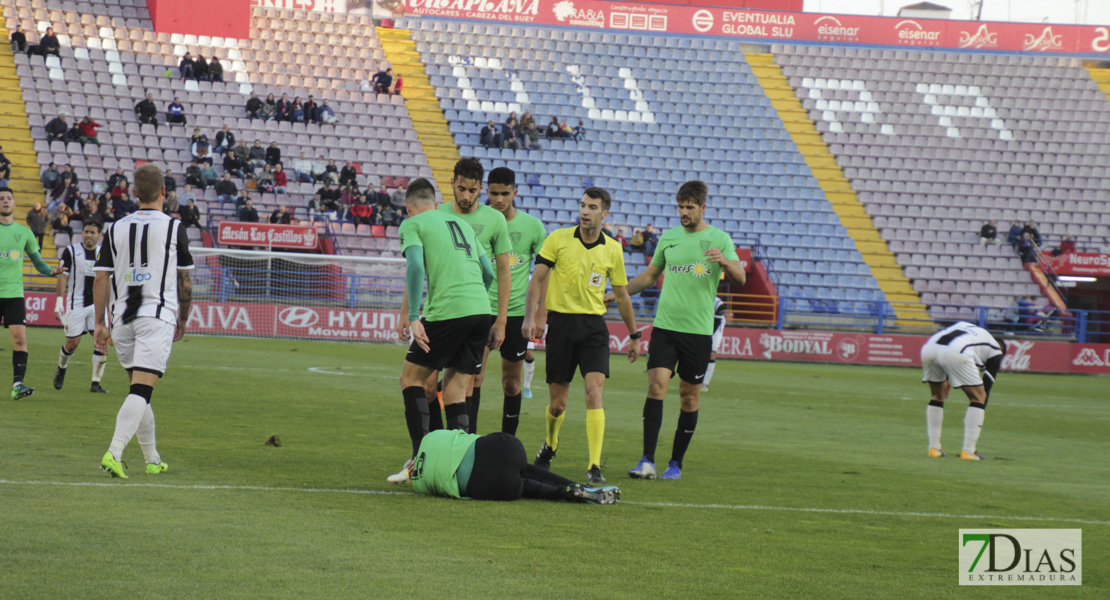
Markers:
(12, 254)
(137, 276)
(698, 269)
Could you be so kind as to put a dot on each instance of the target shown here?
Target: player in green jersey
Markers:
(526, 234)
(456, 322)
(691, 258)
(457, 464)
(16, 242)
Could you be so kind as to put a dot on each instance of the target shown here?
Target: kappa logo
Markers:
(983, 38)
(703, 21)
(298, 316)
(1088, 358)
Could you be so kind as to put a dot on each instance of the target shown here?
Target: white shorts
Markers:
(80, 321)
(144, 344)
(718, 335)
(939, 363)
(531, 345)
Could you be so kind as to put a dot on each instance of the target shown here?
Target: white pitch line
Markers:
(751, 507)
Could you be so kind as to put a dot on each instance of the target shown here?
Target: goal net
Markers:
(289, 295)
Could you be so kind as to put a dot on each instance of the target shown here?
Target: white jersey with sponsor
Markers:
(79, 263)
(970, 340)
(144, 251)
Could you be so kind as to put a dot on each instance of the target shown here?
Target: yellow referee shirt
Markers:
(578, 271)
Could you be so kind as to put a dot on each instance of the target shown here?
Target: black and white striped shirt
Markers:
(718, 315)
(79, 264)
(144, 251)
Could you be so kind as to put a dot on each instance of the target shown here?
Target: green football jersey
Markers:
(438, 459)
(451, 252)
(489, 225)
(16, 242)
(526, 233)
(689, 280)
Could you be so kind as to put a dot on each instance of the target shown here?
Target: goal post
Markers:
(295, 296)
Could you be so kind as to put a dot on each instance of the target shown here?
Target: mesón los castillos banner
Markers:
(776, 26)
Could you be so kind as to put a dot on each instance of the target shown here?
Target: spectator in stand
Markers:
(1028, 248)
(226, 190)
(171, 181)
(325, 114)
(331, 195)
(381, 81)
(636, 244)
(283, 110)
(232, 166)
(297, 112)
(50, 177)
(257, 155)
(72, 175)
(398, 84)
(187, 194)
(390, 217)
(36, 221)
(331, 172)
(88, 131)
(397, 199)
(579, 132)
(509, 138)
(346, 195)
(531, 136)
(208, 174)
(269, 108)
(5, 169)
(243, 153)
(254, 107)
(200, 68)
(1068, 245)
(241, 199)
(215, 70)
(57, 128)
(91, 209)
(490, 136)
(348, 175)
(1014, 236)
(1031, 229)
(171, 206)
(123, 206)
(281, 180)
(280, 216)
(988, 234)
(564, 131)
(319, 170)
(117, 180)
(187, 67)
(511, 117)
(552, 130)
(316, 208)
(175, 112)
(362, 213)
(273, 154)
(650, 240)
(302, 169)
(225, 140)
(196, 136)
(49, 43)
(310, 108)
(1027, 311)
(193, 175)
(265, 180)
(61, 221)
(382, 197)
(201, 150)
(525, 119)
(190, 214)
(63, 193)
(19, 41)
(247, 213)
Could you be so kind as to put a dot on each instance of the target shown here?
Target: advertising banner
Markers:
(40, 309)
(296, 237)
(1089, 264)
(305, 322)
(334, 6)
(775, 26)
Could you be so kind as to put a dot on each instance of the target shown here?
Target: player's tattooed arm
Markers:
(184, 293)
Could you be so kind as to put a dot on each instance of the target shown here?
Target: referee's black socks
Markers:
(457, 417)
(19, 366)
(510, 418)
(687, 423)
(473, 401)
(435, 415)
(653, 420)
(416, 414)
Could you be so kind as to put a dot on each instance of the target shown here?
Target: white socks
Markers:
(99, 362)
(63, 358)
(973, 425)
(127, 423)
(529, 372)
(709, 373)
(934, 418)
(146, 437)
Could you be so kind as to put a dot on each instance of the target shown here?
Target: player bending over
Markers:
(961, 356)
(74, 306)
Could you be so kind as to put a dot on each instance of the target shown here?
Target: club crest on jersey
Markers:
(705, 245)
(698, 269)
(478, 228)
(12, 254)
(515, 237)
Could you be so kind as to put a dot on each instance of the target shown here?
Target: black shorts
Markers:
(499, 459)
(576, 342)
(689, 350)
(457, 344)
(13, 311)
(515, 345)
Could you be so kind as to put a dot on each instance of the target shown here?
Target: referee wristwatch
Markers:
(636, 336)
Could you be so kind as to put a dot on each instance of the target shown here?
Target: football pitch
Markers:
(802, 481)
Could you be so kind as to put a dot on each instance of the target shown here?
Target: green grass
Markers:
(772, 438)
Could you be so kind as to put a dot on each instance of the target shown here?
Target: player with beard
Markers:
(78, 314)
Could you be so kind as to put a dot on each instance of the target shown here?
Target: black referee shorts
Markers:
(689, 350)
(499, 459)
(13, 311)
(457, 344)
(576, 342)
(516, 345)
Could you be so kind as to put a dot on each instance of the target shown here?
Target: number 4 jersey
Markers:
(451, 253)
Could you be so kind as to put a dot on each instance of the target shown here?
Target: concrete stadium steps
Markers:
(423, 106)
(892, 281)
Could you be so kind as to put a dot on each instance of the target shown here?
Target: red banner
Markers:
(1090, 358)
(40, 309)
(776, 25)
(297, 237)
(269, 320)
(745, 256)
(1088, 264)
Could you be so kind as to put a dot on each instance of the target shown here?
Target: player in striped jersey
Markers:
(718, 335)
(74, 305)
(145, 256)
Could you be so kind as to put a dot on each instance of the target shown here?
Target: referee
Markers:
(579, 260)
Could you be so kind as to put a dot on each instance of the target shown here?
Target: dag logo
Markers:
(1046, 41)
(983, 38)
(298, 316)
